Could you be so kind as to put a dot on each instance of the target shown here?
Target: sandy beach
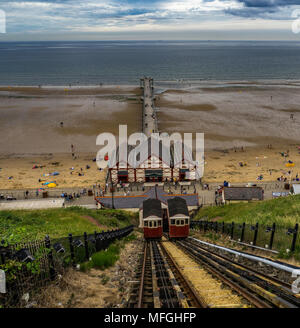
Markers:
(232, 116)
(25, 176)
(31, 133)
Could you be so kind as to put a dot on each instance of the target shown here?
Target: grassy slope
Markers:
(282, 211)
(19, 225)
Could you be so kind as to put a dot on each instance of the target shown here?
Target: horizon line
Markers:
(151, 40)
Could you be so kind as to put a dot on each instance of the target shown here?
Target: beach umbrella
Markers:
(51, 185)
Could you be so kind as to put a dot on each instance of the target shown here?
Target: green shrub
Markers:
(114, 249)
(86, 266)
(104, 259)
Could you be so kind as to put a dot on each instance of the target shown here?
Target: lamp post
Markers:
(112, 191)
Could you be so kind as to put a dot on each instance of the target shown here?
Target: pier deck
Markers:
(149, 112)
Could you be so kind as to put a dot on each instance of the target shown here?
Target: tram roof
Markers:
(177, 205)
(152, 207)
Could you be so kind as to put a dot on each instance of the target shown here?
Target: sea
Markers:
(171, 63)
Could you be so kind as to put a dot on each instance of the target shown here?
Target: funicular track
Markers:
(158, 286)
(208, 289)
(183, 274)
(259, 289)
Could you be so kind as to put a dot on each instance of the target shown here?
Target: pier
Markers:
(149, 119)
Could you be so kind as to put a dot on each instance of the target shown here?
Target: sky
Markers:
(150, 19)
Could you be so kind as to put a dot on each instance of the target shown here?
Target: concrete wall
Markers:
(32, 204)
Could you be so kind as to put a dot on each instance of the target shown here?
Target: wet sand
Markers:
(31, 134)
(234, 115)
(30, 123)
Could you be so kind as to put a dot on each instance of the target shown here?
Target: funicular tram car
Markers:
(179, 218)
(152, 219)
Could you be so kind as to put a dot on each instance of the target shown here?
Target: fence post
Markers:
(86, 246)
(255, 234)
(72, 249)
(2, 253)
(243, 232)
(50, 258)
(232, 230)
(2, 258)
(272, 236)
(294, 238)
(205, 226)
(223, 227)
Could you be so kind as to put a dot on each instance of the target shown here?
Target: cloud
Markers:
(268, 3)
(268, 9)
(39, 16)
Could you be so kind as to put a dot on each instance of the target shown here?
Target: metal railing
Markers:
(275, 238)
(32, 265)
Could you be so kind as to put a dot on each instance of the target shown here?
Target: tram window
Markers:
(186, 221)
(178, 222)
(182, 222)
(172, 221)
(159, 223)
(146, 224)
(154, 224)
(150, 224)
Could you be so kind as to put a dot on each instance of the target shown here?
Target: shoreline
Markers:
(180, 82)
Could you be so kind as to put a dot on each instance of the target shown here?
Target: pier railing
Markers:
(32, 265)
